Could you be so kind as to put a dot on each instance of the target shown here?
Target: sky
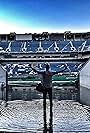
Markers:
(37, 16)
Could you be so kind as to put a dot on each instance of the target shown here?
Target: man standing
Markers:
(46, 81)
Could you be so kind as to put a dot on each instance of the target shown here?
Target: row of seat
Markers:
(46, 46)
(24, 69)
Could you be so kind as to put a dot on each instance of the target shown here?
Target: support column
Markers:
(6, 86)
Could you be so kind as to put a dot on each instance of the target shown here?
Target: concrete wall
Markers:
(85, 84)
(23, 37)
(2, 81)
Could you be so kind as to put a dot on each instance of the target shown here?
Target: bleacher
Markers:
(45, 46)
(24, 69)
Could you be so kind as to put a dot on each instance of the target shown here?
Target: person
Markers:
(46, 80)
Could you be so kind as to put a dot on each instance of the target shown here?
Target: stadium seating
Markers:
(47, 46)
(17, 70)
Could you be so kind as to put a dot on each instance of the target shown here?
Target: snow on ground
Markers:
(27, 116)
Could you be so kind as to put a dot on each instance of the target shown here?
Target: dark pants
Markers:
(49, 91)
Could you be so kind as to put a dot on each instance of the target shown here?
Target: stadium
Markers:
(18, 81)
(44, 66)
(59, 49)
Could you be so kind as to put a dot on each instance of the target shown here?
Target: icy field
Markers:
(27, 116)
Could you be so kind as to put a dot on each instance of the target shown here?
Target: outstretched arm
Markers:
(35, 70)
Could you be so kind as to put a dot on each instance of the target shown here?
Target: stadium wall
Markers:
(2, 84)
(85, 84)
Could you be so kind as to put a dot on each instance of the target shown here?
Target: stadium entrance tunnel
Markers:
(22, 87)
(73, 84)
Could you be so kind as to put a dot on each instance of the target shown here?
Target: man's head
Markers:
(47, 67)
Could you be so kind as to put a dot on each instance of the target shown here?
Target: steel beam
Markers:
(41, 60)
